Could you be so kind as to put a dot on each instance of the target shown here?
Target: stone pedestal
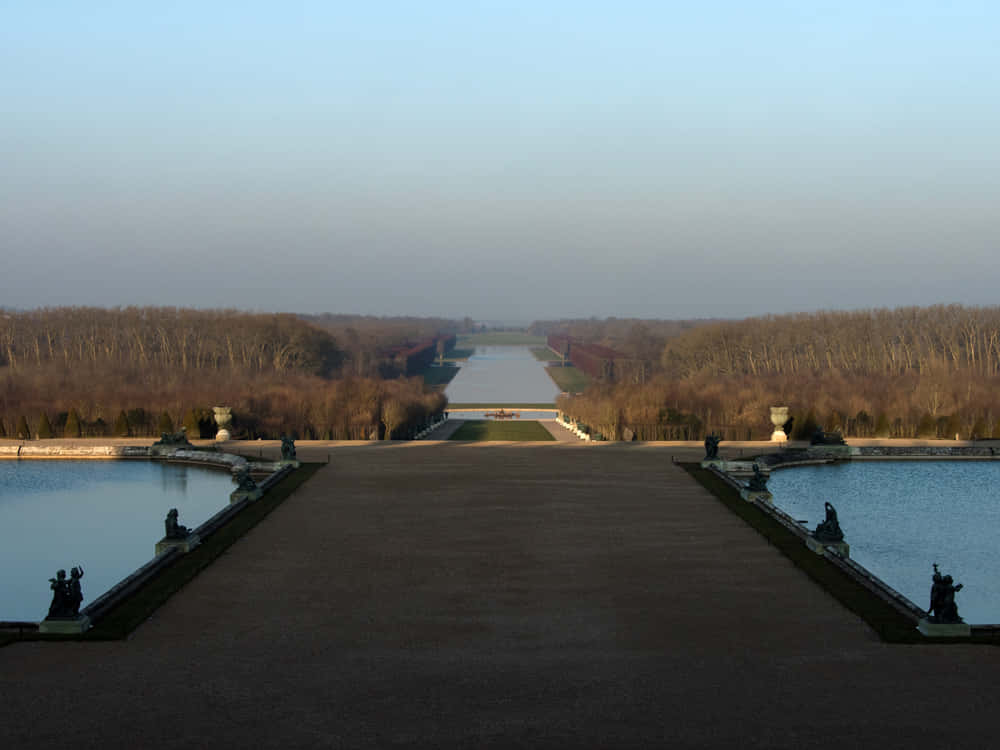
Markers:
(714, 463)
(944, 630)
(65, 625)
(283, 463)
(841, 548)
(186, 545)
(779, 415)
(237, 495)
(223, 418)
(752, 495)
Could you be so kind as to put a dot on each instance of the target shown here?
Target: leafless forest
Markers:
(141, 371)
(909, 372)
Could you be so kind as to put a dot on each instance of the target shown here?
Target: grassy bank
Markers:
(500, 338)
(485, 430)
(544, 354)
(569, 379)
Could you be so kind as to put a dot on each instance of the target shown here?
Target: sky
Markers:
(500, 160)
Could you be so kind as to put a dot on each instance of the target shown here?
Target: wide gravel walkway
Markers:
(474, 595)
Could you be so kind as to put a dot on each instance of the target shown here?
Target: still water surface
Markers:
(104, 515)
(502, 375)
(901, 516)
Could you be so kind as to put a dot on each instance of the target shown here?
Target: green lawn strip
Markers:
(545, 354)
(500, 338)
(132, 612)
(485, 430)
(509, 407)
(569, 379)
(434, 376)
(890, 624)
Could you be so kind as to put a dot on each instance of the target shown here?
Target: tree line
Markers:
(142, 371)
(907, 372)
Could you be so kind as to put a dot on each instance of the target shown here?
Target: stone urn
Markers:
(779, 415)
(223, 418)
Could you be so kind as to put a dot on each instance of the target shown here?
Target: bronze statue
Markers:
(820, 437)
(943, 608)
(758, 482)
(712, 447)
(174, 438)
(244, 481)
(287, 448)
(829, 530)
(175, 530)
(66, 595)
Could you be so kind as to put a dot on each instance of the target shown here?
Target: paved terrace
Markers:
(473, 595)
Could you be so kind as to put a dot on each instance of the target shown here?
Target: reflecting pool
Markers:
(104, 515)
(901, 516)
(502, 375)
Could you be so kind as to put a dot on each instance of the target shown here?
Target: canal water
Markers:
(901, 516)
(502, 375)
(104, 515)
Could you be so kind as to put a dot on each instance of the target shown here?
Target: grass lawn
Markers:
(500, 338)
(545, 354)
(485, 430)
(436, 376)
(569, 378)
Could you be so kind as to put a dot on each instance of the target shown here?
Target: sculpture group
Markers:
(829, 530)
(712, 447)
(176, 439)
(758, 482)
(175, 530)
(66, 594)
(287, 448)
(943, 608)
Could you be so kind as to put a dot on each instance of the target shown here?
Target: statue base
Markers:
(222, 435)
(237, 495)
(186, 545)
(753, 495)
(285, 462)
(65, 625)
(779, 436)
(713, 463)
(841, 548)
(944, 629)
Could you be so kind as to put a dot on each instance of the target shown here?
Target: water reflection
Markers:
(901, 516)
(105, 515)
(502, 375)
(174, 479)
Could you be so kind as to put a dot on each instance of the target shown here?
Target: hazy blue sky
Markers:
(500, 159)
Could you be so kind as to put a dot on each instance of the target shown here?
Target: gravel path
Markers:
(473, 595)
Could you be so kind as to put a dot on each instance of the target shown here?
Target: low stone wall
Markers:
(276, 471)
(820, 454)
(74, 452)
(832, 454)
(862, 575)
